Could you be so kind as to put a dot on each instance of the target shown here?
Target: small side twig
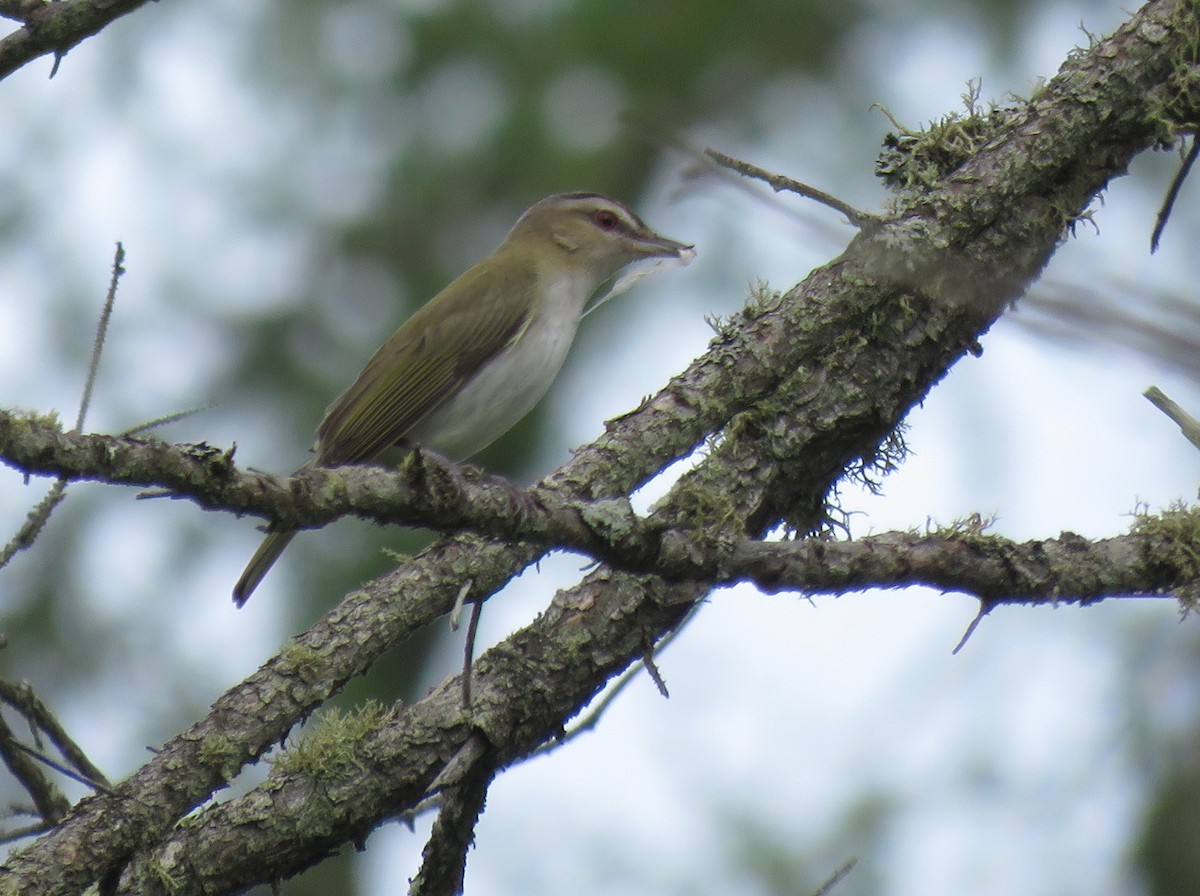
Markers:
(37, 518)
(89, 386)
(837, 877)
(167, 419)
(444, 860)
(652, 671)
(1188, 424)
(985, 607)
(779, 183)
(40, 718)
(35, 521)
(1164, 213)
(29, 830)
(469, 651)
(62, 769)
(50, 802)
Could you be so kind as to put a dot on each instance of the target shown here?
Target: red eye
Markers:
(605, 220)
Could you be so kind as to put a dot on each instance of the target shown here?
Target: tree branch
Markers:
(20, 10)
(48, 800)
(426, 491)
(463, 785)
(22, 698)
(55, 27)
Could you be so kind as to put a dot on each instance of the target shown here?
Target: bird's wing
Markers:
(426, 361)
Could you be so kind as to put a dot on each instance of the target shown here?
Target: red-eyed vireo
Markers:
(478, 356)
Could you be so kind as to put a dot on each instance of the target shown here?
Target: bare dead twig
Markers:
(985, 607)
(37, 518)
(21, 698)
(469, 652)
(837, 877)
(1164, 212)
(1187, 424)
(444, 859)
(779, 183)
(52, 805)
(62, 769)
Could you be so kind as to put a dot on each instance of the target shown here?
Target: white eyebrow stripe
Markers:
(627, 218)
(590, 203)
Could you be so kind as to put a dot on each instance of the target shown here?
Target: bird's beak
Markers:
(653, 245)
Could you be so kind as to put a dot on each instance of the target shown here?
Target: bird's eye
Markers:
(605, 219)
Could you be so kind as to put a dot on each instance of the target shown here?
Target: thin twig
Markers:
(1164, 212)
(30, 830)
(985, 607)
(697, 169)
(101, 332)
(37, 518)
(837, 877)
(469, 651)
(62, 769)
(779, 182)
(166, 419)
(35, 521)
(1188, 424)
(22, 699)
(51, 803)
(652, 671)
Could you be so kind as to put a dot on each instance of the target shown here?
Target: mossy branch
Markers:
(426, 491)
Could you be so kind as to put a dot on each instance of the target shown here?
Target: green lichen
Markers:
(762, 300)
(331, 744)
(611, 519)
(701, 508)
(1172, 110)
(300, 660)
(170, 877)
(964, 528)
(1169, 544)
(914, 161)
(400, 558)
(218, 751)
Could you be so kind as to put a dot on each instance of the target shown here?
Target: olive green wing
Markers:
(426, 361)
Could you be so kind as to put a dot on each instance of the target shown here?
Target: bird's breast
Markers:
(506, 388)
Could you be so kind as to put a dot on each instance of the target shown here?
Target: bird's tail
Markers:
(260, 564)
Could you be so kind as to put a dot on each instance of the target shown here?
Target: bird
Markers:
(476, 358)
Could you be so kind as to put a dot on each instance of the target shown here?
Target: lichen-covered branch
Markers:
(804, 386)
(1158, 558)
(428, 492)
